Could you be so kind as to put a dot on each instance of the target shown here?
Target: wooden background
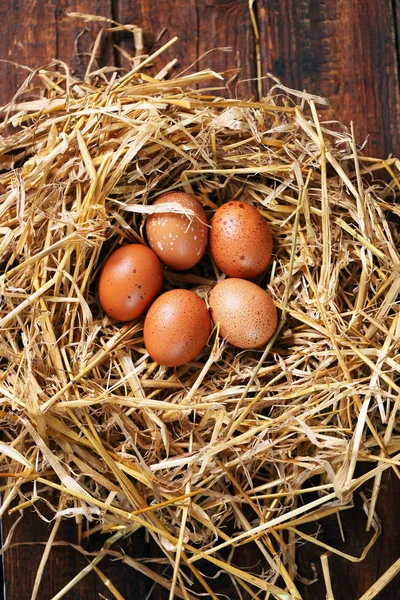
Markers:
(345, 50)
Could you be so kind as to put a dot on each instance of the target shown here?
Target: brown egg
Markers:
(245, 312)
(130, 280)
(176, 327)
(240, 240)
(178, 240)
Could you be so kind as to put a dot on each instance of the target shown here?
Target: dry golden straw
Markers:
(235, 447)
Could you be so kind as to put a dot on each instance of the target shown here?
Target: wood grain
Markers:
(346, 50)
(396, 15)
(220, 26)
(38, 31)
(65, 562)
(160, 23)
(351, 580)
(225, 28)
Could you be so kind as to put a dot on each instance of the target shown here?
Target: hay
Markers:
(225, 450)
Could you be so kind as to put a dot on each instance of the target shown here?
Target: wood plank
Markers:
(227, 24)
(345, 51)
(351, 580)
(160, 24)
(396, 15)
(200, 28)
(37, 32)
(65, 562)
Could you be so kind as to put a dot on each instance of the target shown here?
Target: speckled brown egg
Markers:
(240, 240)
(176, 327)
(245, 312)
(130, 280)
(177, 239)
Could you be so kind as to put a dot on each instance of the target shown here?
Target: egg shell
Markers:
(177, 239)
(129, 281)
(240, 240)
(176, 327)
(245, 312)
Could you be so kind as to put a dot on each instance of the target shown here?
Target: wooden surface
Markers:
(346, 50)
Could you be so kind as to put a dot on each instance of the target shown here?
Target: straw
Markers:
(231, 448)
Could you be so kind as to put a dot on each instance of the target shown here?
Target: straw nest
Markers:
(226, 449)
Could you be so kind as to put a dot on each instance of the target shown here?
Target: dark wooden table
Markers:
(345, 50)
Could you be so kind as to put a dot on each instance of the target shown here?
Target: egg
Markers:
(129, 281)
(246, 313)
(240, 240)
(176, 327)
(177, 239)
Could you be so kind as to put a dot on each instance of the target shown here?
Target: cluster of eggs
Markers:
(178, 322)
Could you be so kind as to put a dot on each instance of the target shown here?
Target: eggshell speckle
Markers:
(130, 280)
(176, 327)
(240, 240)
(246, 313)
(177, 239)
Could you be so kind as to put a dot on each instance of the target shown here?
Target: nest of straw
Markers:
(225, 450)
